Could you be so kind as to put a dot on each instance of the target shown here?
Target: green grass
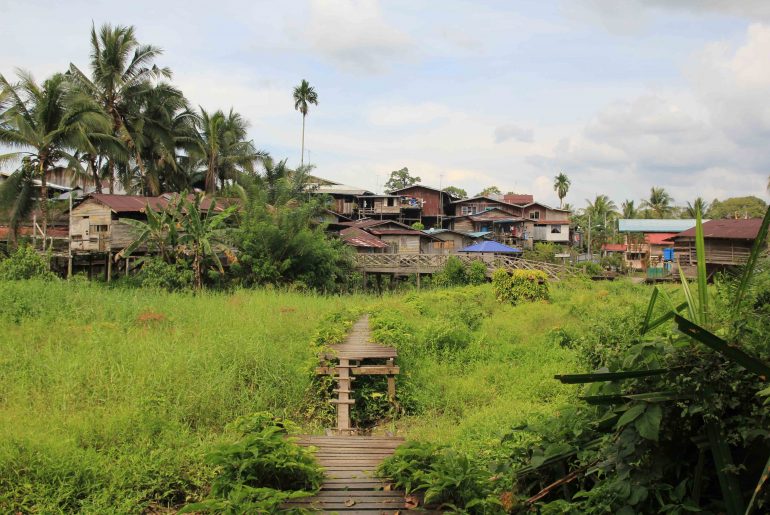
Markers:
(110, 398)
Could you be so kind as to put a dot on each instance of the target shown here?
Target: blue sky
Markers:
(621, 95)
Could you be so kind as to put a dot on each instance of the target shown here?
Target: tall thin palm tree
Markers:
(35, 120)
(304, 95)
(659, 203)
(122, 72)
(561, 184)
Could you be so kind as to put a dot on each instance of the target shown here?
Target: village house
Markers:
(424, 204)
(646, 240)
(448, 241)
(728, 243)
(398, 238)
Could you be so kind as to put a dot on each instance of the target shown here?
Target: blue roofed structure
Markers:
(647, 225)
(491, 246)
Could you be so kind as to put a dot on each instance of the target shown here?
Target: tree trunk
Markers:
(43, 200)
(197, 268)
(302, 157)
(211, 179)
(95, 173)
(111, 168)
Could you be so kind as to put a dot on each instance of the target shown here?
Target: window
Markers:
(469, 210)
(437, 244)
(534, 215)
(99, 228)
(556, 229)
(391, 202)
(450, 244)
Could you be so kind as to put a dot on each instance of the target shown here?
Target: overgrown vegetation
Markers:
(260, 471)
(516, 286)
(24, 263)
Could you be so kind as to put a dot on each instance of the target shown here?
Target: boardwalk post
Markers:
(343, 397)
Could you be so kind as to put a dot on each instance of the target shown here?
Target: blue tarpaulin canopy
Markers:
(490, 246)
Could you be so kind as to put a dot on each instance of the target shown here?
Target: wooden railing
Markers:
(430, 263)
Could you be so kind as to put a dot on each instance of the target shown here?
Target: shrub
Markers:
(156, 273)
(520, 285)
(25, 263)
(590, 268)
(477, 273)
(453, 273)
(418, 226)
(450, 480)
(261, 471)
(543, 252)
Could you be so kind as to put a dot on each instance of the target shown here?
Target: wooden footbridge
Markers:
(420, 264)
(350, 460)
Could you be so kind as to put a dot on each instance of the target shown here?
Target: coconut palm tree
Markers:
(699, 205)
(628, 209)
(35, 120)
(221, 145)
(304, 94)
(122, 72)
(659, 204)
(561, 184)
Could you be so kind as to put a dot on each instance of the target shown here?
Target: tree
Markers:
(400, 179)
(122, 72)
(738, 207)
(35, 119)
(203, 233)
(602, 213)
(304, 94)
(18, 197)
(698, 206)
(489, 190)
(457, 192)
(221, 147)
(628, 209)
(659, 203)
(561, 184)
(159, 232)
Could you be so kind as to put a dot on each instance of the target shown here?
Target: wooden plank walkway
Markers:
(350, 462)
(351, 485)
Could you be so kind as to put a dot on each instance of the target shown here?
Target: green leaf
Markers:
(700, 253)
(756, 251)
(648, 424)
(609, 376)
(762, 480)
(723, 461)
(631, 414)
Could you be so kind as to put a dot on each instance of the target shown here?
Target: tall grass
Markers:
(110, 398)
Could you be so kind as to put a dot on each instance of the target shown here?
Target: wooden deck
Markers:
(351, 485)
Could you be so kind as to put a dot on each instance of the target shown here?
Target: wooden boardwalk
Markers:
(351, 485)
(350, 461)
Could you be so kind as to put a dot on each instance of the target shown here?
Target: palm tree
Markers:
(36, 120)
(18, 197)
(221, 145)
(628, 209)
(304, 94)
(121, 73)
(659, 203)
(561, 184)
(699, 205)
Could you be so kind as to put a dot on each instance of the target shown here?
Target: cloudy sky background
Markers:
(621, 95)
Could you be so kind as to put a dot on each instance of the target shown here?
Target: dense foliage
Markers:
(24, 263)
(516, 286)
(260, 471)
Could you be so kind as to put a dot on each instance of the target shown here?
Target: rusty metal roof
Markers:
(138, 204)
(359, 238)
(743, 229)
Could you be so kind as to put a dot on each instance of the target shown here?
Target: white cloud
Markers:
(409, 115)
(514, 132)
(355, 35)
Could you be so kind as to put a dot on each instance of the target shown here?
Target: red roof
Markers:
(551, 222)
(359, 238)
(518, 198)
(743, 229)
(138, 203)
(659, 238)
(614, 247)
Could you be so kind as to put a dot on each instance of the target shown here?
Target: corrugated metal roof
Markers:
(654, 225)
(341, 189)
(727, 229)
(614, 247)
(478, 234)
(662, 238)
(356, 237)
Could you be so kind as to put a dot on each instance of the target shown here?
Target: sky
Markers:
(621, 95)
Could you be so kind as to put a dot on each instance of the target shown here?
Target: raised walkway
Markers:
(350, 461)
(407, 264)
